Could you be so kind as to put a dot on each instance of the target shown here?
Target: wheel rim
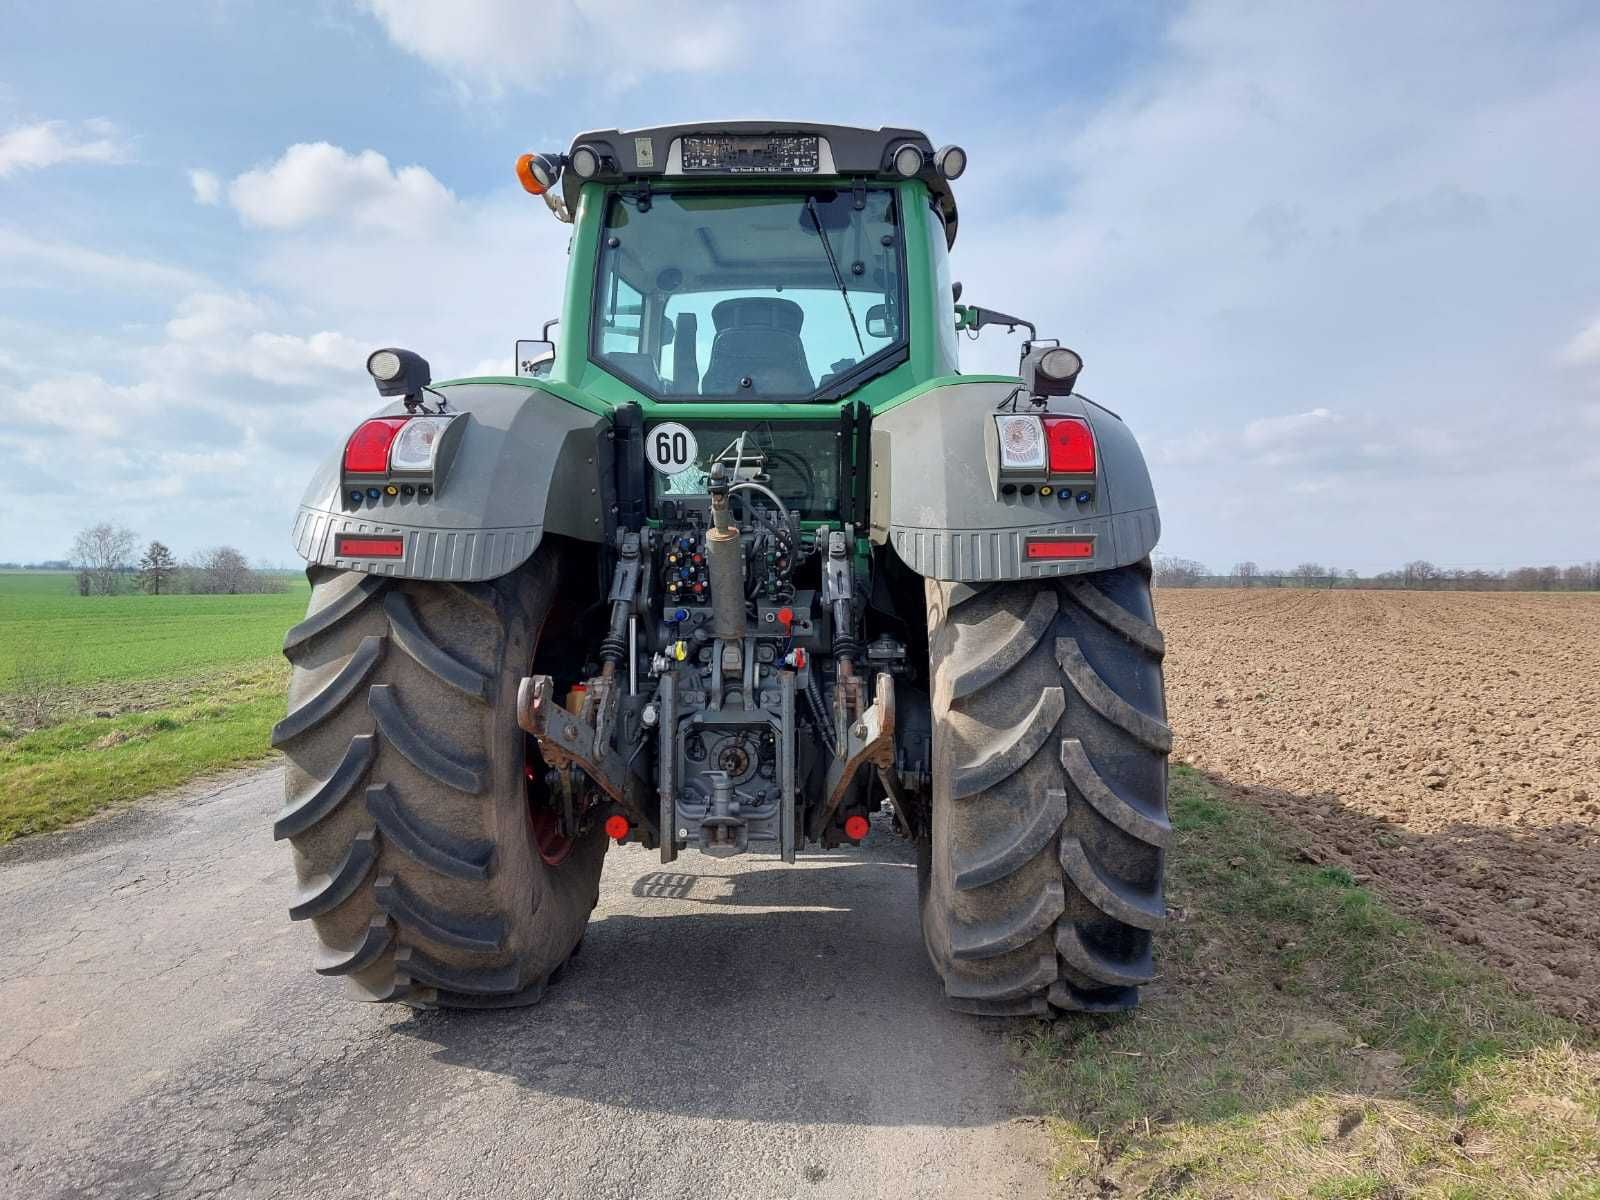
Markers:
(544, 827)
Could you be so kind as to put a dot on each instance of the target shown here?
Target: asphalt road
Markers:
(733, 1028)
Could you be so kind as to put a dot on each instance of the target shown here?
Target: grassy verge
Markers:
(1305, 1041)
(53, 776)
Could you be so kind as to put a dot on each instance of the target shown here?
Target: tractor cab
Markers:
(741, 263)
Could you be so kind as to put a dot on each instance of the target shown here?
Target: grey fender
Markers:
(936, 495)
(527, 464)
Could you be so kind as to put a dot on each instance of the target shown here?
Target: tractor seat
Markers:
(757, 337)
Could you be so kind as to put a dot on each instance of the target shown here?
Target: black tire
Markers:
(1042, 876)
(406, 799)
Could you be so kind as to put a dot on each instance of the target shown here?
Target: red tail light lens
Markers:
(1069, 443)
(367, 451)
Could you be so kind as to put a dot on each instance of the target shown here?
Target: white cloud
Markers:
(221, 334)
(1289, 431)
(50, 143)
(207, 315)
(70, 267)
(496, 45)
(318, 183)
(207, 187)
(81, 404)
(1584, 348)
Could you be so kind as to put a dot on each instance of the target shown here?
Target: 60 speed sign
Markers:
(670, 447)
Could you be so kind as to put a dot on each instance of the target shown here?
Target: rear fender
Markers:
(936, 495)
(528, 463)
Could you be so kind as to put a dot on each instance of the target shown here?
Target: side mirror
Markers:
(877, 322)
(534, 356)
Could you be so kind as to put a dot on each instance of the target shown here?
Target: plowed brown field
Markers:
(1444, 746)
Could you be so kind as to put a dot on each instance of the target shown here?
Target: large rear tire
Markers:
(1042, 873)
(406, 793)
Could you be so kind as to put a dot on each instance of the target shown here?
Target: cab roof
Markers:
(842, 151)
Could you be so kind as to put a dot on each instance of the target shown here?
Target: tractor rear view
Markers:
(737, 561)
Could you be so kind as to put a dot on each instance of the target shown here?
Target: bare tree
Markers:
(1245, 572)
(1178, 572)
(1307, 571)
(156, 567)
(102, 551)
(1419, 573)
(224, 570)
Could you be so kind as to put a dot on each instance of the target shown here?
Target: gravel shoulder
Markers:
(732, 1028)
(1444, 745)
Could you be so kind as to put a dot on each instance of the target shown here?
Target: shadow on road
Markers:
(767, 994)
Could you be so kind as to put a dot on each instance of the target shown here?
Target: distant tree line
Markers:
(1419, 574)
(104, 556)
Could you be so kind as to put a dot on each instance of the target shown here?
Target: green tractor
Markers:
(737, 560)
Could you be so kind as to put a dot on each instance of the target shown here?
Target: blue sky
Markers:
(1337, 264)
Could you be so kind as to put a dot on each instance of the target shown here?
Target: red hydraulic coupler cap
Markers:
(786, 617)
(856, 827)
(617, 826)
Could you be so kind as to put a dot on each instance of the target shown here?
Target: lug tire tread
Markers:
(1042, 874)
(407, 813)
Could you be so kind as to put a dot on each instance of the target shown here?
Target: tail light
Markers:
(1021, 443)
(367, 451)
(1048, 445)
(413, 449)
(1071, 445)
(400, 457)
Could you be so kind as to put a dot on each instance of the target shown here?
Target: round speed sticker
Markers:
(670, 447)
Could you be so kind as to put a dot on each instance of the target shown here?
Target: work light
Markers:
(950, 162)
(907, 159)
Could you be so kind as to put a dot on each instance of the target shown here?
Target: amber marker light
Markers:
(530, 182)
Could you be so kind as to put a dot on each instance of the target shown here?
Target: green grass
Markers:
(1306, 1041)
(67, 771)
(106, 699)
(51, 635)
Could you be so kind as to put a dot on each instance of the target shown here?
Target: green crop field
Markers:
(50, 633)
(107, 698)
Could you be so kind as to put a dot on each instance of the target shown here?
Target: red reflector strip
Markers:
(353, 545)
(1036, 548)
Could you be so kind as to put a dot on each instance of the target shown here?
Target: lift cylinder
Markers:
(725, 558)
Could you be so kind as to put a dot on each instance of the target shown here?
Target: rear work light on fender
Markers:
(1037, 446)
